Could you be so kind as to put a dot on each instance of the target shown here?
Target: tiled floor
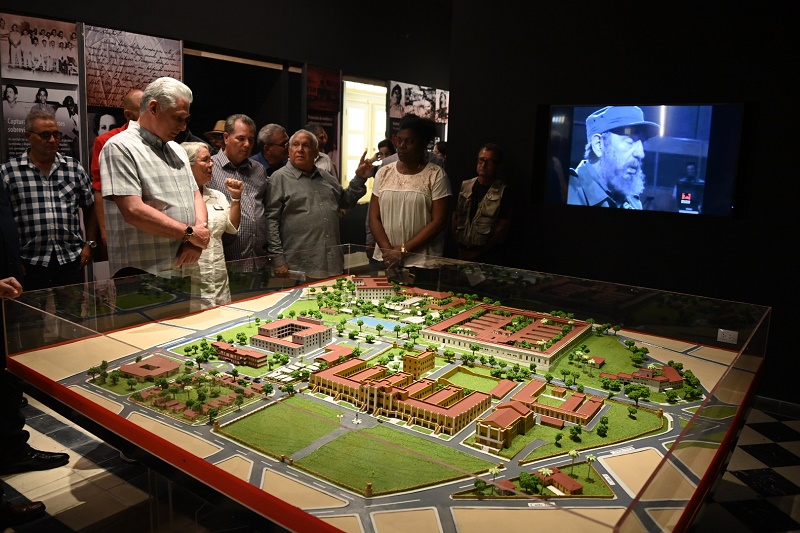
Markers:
(760, 490)
(98, 491)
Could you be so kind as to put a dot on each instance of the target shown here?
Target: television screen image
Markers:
(669, 158)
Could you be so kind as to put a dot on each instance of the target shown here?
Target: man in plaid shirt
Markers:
(47, 190)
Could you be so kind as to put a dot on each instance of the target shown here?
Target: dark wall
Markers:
(504, 65)
(356, 36)
(270, 95)
(572, 53)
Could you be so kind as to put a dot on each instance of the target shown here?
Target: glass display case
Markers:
(451, 398)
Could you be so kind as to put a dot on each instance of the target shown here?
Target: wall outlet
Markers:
(727, 335)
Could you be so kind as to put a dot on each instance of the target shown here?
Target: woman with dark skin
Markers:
(409, 204)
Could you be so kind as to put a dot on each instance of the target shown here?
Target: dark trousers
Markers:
(65, 282)
(55, 275)
(13, 438)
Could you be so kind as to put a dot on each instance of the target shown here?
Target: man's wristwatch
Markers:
(91, 244)
(403, 249)
(188, 233)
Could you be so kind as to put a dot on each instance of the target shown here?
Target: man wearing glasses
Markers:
(482, 216)
(47, 190)
(274, 142)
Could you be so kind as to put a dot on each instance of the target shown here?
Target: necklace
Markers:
(416, 169)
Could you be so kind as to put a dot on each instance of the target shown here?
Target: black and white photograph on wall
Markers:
(19, 100)
(405, 98)
(118, 61)
(408, 98)
(442, 106)
(38, 50)
(102, 119)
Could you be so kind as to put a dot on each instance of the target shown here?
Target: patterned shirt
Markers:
(303, 220)
(251, 241)
(136, 162)
(46, 208)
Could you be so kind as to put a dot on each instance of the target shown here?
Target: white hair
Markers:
(166, 92)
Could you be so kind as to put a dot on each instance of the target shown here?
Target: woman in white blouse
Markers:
(210, 274)
(409, 205)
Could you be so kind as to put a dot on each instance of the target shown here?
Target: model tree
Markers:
(574, 455)
(544, 472)
(589, 460)
(475, 347)
(494, 471)
(526, 482)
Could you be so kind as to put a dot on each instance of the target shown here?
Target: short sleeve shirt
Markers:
(136, 162)
(46, 208)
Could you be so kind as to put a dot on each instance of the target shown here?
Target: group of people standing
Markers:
(178, 210)
(40, 49)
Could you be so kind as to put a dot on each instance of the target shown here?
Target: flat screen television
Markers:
(668, 158)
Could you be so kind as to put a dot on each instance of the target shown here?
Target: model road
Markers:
(437, 496)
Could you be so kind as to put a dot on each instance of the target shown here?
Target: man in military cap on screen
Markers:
(610, 174)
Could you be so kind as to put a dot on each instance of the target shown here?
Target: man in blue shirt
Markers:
(274, 142)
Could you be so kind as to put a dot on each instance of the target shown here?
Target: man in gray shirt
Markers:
(302, 211)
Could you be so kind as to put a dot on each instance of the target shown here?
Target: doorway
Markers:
(363, 127)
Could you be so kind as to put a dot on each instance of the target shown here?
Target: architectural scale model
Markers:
(433, 405)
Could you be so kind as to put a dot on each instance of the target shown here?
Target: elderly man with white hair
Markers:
(156, 217)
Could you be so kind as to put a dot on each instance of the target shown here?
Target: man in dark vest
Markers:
(482, 216)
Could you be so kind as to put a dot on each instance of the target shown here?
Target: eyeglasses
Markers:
(284, 144)
(47, 135)
(486, 161)
(302, 146)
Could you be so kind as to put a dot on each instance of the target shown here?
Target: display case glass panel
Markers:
(454, 397)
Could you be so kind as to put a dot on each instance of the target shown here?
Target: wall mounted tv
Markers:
(670, 158)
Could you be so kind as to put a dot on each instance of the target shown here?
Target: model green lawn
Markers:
(122, 387)
(386, 457)
(389, 459)
(473, 382)
(582, 472)
(617, 359)
(134, 301)
(621, 427)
